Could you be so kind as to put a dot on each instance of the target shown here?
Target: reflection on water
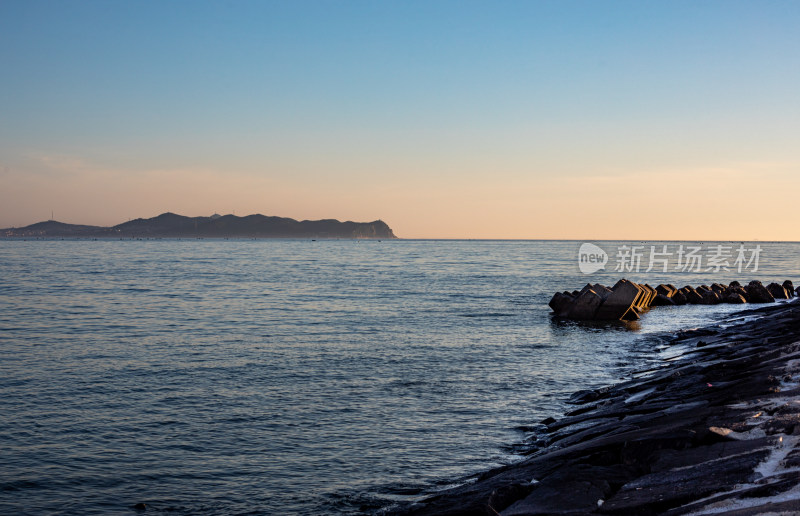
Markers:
(223, 377)
(568, 326)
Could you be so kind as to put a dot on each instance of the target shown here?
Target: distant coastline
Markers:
(171, 225)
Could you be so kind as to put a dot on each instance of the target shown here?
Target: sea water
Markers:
(297, 376)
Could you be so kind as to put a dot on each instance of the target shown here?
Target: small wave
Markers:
(401, 489)
(489, 314)
(19, 485)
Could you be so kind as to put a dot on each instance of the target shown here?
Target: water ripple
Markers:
(274, 377)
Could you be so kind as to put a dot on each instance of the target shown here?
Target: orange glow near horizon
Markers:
(738, 202)
(531, 120)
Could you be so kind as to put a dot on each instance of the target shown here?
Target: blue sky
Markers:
(446, 119)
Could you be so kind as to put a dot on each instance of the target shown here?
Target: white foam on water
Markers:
(772, 464)
(745, 503)
(770, 467)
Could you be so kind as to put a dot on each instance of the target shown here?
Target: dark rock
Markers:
(716, 287)
(777, 291)
(570, 492)
(570, 497)
(662, 300)
(710, 297)
(630, 315)
(659, 491)
(666, 290)
(782, 424)
(758, 293)
(561, 303)
(693, 297)
(765, 489)
(789, 287)
(649, 294)
(623, 297)
(627, 300)
(586, 396)
(504, 496)
(738, 290)
(585, 306)
(734, 298)
(601, 290)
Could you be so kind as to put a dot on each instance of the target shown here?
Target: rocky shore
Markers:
(717, 431)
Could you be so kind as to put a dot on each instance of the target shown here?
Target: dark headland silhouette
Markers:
(171, 225)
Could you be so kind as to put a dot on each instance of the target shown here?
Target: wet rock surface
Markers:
(715, 431)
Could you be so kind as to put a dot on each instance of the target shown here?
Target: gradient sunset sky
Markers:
(446, 119)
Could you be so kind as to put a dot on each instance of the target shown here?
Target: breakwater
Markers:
(626, 300)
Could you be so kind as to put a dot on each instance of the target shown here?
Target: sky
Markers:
(555, 119)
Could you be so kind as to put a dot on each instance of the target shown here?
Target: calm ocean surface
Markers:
(292, 376)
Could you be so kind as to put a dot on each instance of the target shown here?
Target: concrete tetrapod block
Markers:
(758, 293)
(651, 295)
(692, 296)
(601, 290)
(561, 303)
(666, 290)
(585, 306)
(777, 291)
(623, 297)
(662, 300)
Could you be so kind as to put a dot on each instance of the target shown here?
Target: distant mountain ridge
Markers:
(171, 225)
